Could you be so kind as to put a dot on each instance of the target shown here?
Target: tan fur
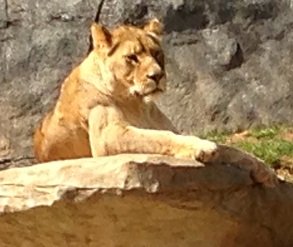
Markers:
(102, 109)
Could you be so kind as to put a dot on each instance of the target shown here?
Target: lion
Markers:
(106, 105)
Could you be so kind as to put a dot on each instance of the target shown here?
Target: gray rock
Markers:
(229, 62)
(3, 14)
(142, 200)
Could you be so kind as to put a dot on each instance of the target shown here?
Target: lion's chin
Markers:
(153, 92)
(149, 95)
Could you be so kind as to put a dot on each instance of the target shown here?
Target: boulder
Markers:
(229, 62)
(144, 200)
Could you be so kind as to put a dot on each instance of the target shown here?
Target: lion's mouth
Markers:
(153, 92)
(141, 92)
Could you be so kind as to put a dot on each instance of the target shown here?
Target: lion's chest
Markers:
(141, 118)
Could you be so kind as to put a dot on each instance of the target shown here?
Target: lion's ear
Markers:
(101, 36)
(154, 26)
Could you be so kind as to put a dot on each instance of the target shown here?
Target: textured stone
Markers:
(3, 14)
(141, 200)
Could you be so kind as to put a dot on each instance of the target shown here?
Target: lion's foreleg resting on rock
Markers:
(111, 136)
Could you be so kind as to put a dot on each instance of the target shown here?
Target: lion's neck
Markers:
(91, 71)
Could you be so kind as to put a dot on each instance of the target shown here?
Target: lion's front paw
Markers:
(207, 151)
(199, 149)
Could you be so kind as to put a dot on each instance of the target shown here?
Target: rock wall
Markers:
(229, 61)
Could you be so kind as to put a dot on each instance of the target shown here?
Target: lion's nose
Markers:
(156, 75)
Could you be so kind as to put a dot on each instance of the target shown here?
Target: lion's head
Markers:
(133, 59)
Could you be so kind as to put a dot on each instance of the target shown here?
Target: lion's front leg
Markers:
(128, 139)
(109, 135)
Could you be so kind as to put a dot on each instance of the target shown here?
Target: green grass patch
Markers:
(217, 136)
(271, 151)
(270, 133)
(269, 144)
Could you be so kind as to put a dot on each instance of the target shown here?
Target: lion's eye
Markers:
(132, 58)
(156, 54)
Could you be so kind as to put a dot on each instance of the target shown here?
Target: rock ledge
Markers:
(142, 200)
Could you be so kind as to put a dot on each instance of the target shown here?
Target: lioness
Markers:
(105, 105)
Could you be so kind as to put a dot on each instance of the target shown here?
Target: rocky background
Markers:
(229, 61)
